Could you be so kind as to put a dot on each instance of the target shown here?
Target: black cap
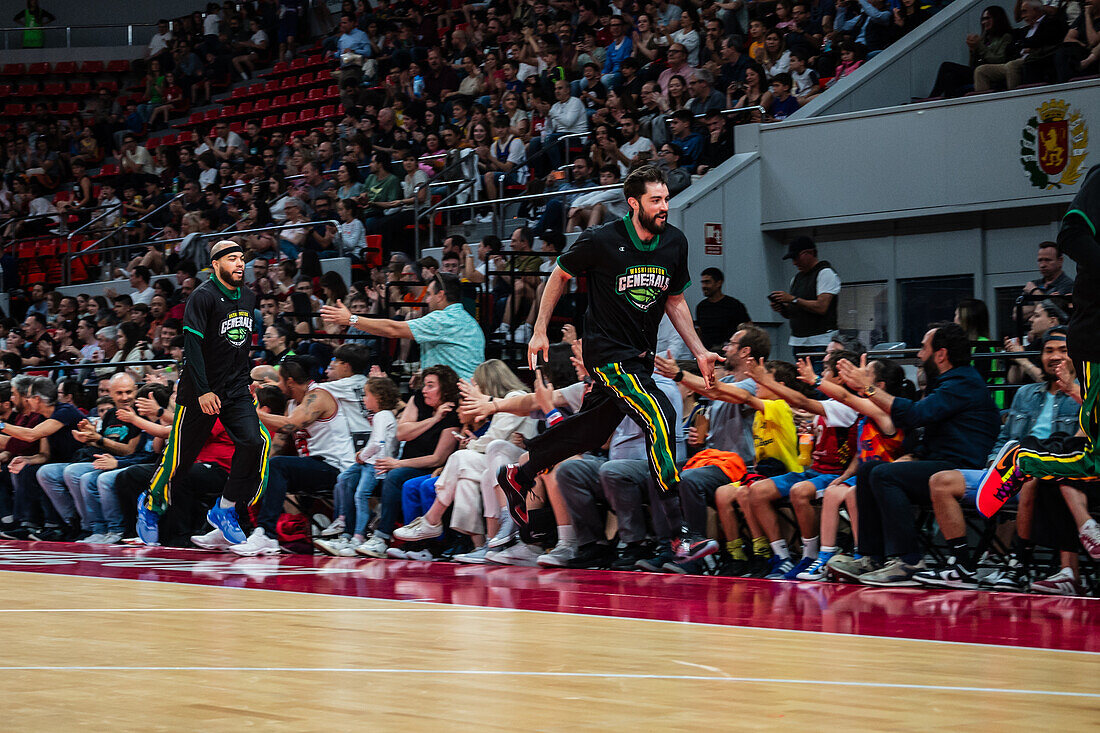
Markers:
(798, 244)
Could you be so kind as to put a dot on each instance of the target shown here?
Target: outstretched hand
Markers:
(338, 314)
(856, 378)
(706, 361)
(665, 365)
(806, 371)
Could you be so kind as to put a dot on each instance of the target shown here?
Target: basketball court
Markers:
(163, 639)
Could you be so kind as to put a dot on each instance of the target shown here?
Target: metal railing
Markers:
(495, 204)
(52, 31)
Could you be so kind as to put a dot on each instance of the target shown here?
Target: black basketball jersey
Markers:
(223, 319)
(628, 284)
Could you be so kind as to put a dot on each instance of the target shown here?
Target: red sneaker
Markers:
(1001, 481)
(515, 492)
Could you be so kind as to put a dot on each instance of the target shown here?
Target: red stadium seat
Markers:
(118, 66)
(64, 68)
(329, 110)
(317, 59)
(308, 115)
(298, 63)
(288, 118)
(305, 79)
(239, 92)
(245, 108)
(13, 70)
(296, 99)
(109, 84)
(67, 109)
(210, 115)
(108, 169)
(90, 68)
(169, 140)
(5, 90)
(269, 121)
(40, 68)
(236, 127)
(261, 105)
(272, 87)
(13, 109)
(80, 88)
(332, 92)
(29, 89)
(53, 89)
(278, 101)
(227, 110)
(316, 94)
(186, 136)
(279, 69)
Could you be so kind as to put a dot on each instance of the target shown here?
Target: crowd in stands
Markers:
(1053, 42)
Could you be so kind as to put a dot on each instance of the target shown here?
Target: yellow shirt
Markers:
(774, 435)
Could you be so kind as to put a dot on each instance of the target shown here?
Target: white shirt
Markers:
(210, 24)
(259, 37)
(143, 296)
(383, 440)
(827, 282)
(630, 150)
(159, 42)
(565, 117)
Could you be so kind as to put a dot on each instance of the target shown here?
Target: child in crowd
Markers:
(878, 439)
(807, 84)
(784, 104)
(357, 482)
(834, 444)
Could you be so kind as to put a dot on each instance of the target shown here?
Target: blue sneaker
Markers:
(804, 563)
(148, 521)
(817, 569)
(226, 520)
(778, 568)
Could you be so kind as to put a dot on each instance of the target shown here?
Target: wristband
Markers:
(869, 392)
(2, 425)
(160, 413)
(679, 376)
(794, 301)
(554, 417)
(817, 381)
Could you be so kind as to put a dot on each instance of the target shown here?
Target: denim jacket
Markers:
(1025, 408)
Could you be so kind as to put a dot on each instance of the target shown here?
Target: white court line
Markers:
(439, 609)
(580, 675)
(743, 627)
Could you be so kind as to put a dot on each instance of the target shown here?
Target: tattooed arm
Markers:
(316, 405)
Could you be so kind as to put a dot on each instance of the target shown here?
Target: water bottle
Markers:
(418, 86)
(176, 185)
(805, 449)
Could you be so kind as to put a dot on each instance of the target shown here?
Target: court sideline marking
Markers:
(407, 602)
(582, 675)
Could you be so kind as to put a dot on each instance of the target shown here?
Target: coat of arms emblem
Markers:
(1054, 145)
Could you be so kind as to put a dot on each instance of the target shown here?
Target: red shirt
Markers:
(218, 449)
(833, 447)
(21, 447)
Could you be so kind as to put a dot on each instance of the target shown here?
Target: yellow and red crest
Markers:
(1054, 145)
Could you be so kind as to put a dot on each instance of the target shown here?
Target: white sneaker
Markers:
(485, 218)
(335, 529)
(559, 557)
(418, 529)
(524, 332)
(474, 557)
(419, 555)
(212, 540)
(94, 539)
(508, 532)
(374, 547)
(1062, 583)
(337, 546)
(111, 538)
(258, 543)
(521, 554)
(396, 553)
(503, 329)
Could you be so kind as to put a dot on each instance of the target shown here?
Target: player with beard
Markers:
(1062, 457)
(214, 385)
(637, 272)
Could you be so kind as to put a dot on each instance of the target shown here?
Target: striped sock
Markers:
(760, 547)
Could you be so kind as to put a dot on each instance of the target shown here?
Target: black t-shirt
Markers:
(718, 321)
(425, 443)
(62, 443)
(628, 284)
(224, 322)
(110, 428)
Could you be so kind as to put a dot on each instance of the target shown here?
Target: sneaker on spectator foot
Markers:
(656, 563)
(397, 553)
(474, 557)
(692, 546)
(225, 519)
(148, 521)
(258, 543)
(335, 529)
(817, 570)
(594, 555)
(849, 569)
(1001, 481)
(1062, 583)
(953, 576)
(1090, 539)
(374, 547)
(508, 532)
(212, 540)
(1013, 577)
(894, 574)
(520, 554)
(558, 557)
(629, 555)
(110, 538)
(419, 555)
(418, 529)
(515, 492)
(92, 539)
(524, 331)
(732, 567)
(21, 534)
(336, 546)
(800, 568)
(778, 567)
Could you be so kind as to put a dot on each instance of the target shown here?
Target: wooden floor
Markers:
(111, 654)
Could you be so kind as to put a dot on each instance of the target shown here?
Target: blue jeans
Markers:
(101, 502)
(417, 496)
(388, 511)
(368, 479)
(343, 494)
(61, 483)
(288, 248)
